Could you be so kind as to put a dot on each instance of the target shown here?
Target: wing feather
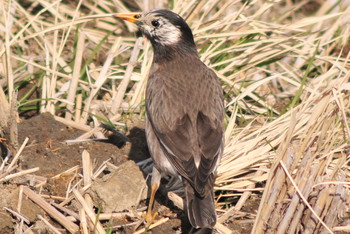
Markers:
(190, 131)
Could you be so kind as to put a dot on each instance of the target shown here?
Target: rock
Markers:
(120, 190)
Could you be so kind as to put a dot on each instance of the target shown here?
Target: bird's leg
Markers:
(156, 176)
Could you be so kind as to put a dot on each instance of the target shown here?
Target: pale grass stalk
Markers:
(51, 89)
(222, 229)
(156, 224)
(69, 189)
(52, 10)
(182, 7)
(83, 222)
(102, 77)
(76, 74)
(46, 80)
(340, 102)
(117, 101)
(15, 159)
(73, 124)
(331, 183)
(53, 197)
(99, 170)
(67, 172)
(303, 198)
(28, 230)
(70, 27)
(78, 107)
(49, 225)
(120, 215)
(87, 170)
(18, 174)
(8, 22)
(64, 24)
(74, 216)
(20, 197)
(59, 217)
(15, 38)
(342, 229)
(18, 215)
(40, 67)
(5, 105)
(88, 210)
(8, 172)
(221, 28)
(176, 199)
(240, 202)
(195, 11)
(146, 66)
(71, 197)
(3, 164)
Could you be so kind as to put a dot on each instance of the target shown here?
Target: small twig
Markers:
(100, 170)
(241, 200)
(20, 197)
(125, 225)
(303, 198)
(53, 197)
(65, 210)
(18, 215)
(222, 229)
(156, 224)
(18, 154)
(71, 197)
(11, 176)
(9, 154)
(75, 141)
(107, 216)
(8, 172)
(176, 199)
(20, 228)
(125, 82)
(69, 225)
(28, 230)
(66, 172)
(73, 124)
(342, 229)
(83, 222)
(88, 210)
(49, 225)
(86, 168)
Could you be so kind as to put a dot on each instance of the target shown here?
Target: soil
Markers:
(48, 150)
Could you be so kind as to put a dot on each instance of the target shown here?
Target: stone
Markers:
(119, 190)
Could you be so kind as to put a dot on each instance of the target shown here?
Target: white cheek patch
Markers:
(168, 34)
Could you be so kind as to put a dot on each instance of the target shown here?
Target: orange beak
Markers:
(133, 17)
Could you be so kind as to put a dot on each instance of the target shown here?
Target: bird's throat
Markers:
(167, 53)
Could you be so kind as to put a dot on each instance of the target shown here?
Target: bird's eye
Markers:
(155, 23)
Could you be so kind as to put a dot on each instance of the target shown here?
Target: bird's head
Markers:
(165, 29)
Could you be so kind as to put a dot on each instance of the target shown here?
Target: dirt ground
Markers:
(48, 150)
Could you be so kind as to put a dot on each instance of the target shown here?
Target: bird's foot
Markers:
(150, 218)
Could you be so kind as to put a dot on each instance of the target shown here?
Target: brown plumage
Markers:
(184, 104)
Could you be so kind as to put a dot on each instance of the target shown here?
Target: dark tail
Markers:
(200, 210)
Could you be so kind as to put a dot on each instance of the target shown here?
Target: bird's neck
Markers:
(167, 53)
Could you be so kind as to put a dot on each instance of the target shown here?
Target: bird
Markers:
(185, 114)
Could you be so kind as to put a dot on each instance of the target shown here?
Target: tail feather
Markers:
(200, 210)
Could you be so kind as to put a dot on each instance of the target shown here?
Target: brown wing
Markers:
(185, 110)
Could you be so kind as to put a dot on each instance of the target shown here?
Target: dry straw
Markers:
(285, 74)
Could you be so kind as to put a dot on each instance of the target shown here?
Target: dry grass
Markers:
(285, 72)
